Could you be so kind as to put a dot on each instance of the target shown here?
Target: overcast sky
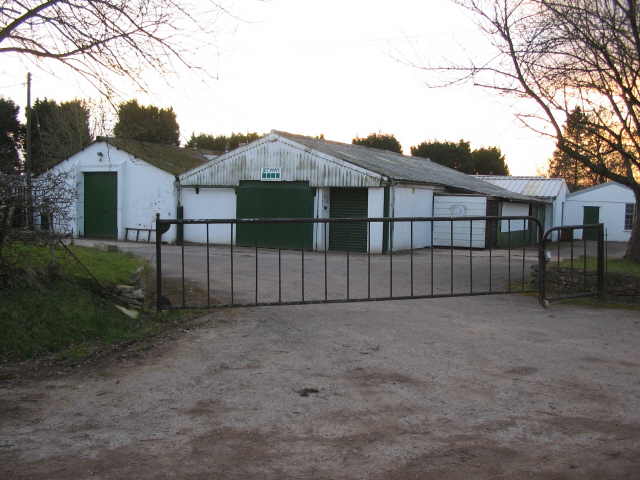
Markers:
(332, 67)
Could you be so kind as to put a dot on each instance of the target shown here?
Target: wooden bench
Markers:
(138, 230)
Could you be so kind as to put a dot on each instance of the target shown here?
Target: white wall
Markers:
(209, 203)
(611, 199)
(557, 218)
(143, 190)
(412, 201)
(512, 209)
(321, 209)
(459, 206)
(375, 209)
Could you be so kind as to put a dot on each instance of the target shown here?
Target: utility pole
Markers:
(28, 164)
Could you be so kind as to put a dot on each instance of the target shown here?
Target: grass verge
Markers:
(614, 265)
(57, 308)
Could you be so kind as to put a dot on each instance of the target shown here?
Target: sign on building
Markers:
(271, 174)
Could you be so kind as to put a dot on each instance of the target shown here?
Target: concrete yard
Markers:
(491, 387)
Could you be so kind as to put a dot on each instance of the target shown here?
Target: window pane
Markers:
(628, 216)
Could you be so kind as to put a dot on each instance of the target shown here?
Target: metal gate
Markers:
(575, 267)
(222, 274)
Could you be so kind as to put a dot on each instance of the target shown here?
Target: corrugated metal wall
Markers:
(295, 163)
(459, 206)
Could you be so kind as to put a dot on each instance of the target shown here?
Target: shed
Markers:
(121, 184)
(551, 191)
(611, 203)
(284, 175)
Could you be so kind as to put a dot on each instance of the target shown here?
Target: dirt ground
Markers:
(483, 388)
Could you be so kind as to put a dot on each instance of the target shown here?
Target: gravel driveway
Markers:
(484, 388)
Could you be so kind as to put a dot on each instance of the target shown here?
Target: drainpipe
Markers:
(179, 213)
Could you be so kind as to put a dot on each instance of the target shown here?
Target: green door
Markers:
(275, 200)
(591, 216)
(101, 204)
(348, 203)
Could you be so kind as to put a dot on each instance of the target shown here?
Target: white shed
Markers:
(610, 203)
(122, 184)
(552, 191)
(283, 175)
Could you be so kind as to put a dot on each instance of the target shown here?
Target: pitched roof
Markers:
(596, 187)
(172, 159)
(540, 187)
(403, 168)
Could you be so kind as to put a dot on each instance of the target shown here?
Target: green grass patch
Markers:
(614, 265)
(108, 267)
(65, 311)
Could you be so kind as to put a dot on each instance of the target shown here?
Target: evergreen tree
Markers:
(147, 123)
(57, 132)
(577, 175)
(453, 155)
(382, 141)
(489, 161)
(221, 143)
(11, 136)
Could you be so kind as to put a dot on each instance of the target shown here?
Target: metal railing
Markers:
(425, 257)
(565, 271)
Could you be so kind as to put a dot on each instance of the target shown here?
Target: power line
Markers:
(21, 84)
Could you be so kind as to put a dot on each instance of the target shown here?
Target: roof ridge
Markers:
(416, 169)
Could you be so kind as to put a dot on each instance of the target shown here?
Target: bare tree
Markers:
(98, 37)
(51, 202)
(563, 55)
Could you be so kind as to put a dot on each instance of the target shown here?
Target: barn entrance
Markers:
(101, 204)
(591, 217)
(257, 199)
(348, 203)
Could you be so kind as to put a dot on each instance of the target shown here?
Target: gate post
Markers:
(542, 265)
(158, 263)
(601, 261)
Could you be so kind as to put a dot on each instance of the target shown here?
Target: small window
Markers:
(628, 216)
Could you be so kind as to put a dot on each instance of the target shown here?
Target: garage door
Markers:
(591, 216)
(275, 200)
(348, 203)
(101, 204)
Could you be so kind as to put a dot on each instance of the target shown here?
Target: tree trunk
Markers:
(633, 248)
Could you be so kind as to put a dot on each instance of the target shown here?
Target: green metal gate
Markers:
(348, 203)
(275, 200)
(101, 204)
(591, 217)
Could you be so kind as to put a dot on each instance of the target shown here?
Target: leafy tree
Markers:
(147, 123)
(221, 143)
(11, 133)
(382, 141)
(453, 155)
(564, 54)
(57, 132)
(489, 161)
(99, 38)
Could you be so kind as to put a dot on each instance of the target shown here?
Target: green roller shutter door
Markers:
(275, 200)
(348, 203)
(101, 204)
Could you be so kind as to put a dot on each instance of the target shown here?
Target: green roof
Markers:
(169, 158)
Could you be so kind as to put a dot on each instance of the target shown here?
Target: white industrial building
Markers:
(551, 191)
(283, 175)
(122, 184)
(609, 203)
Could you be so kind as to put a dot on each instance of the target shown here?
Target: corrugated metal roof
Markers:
(403, 168)
(539, 187)
(596, 187)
